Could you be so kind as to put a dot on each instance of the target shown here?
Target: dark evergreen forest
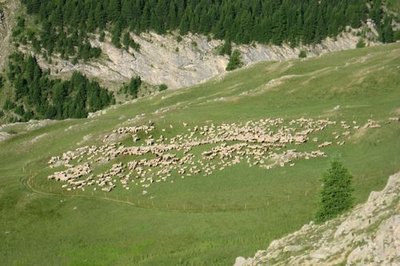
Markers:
(37, 96)
(65, 24)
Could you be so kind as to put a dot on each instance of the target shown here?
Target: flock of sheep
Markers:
(201, 150)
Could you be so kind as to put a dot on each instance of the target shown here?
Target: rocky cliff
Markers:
(368, 235)
(7, 21)
(187, 62)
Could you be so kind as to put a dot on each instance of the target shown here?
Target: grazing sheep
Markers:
(261, 143)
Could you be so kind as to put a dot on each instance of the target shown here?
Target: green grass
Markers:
(201, 220)
(393, 5)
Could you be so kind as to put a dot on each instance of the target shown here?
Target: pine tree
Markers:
(43, 97)
(235, 61)
(336, 195)
(116, 35)
(65, 24)
(126, 40)
(387, 34)
(376, 12)
(133, 86)
(226, 48)
(114, 9)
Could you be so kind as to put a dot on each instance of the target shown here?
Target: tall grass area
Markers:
(201, 220)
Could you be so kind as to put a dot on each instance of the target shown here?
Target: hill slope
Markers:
(115, 42)
(345, 99)
(368, 235)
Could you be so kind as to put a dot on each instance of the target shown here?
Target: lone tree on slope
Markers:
(336, 195)
(235, 61)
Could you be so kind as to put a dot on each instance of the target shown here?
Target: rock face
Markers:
(194, 59)
(4, 136)
(7, 9)
(368, 235)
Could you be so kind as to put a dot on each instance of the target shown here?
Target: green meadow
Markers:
(202, 220)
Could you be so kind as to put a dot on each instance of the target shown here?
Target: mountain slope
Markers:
(191, 61)
(202, 219)
(107, 42)
(114, 42)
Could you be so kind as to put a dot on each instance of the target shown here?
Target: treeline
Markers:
(37, 96)
(70, 44)
(66, 23)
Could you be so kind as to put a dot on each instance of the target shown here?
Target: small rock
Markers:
(240, 261)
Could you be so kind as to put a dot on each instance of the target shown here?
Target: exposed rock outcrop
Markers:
(194, 59)
(368, 235)
(7, 21)
(4, 136)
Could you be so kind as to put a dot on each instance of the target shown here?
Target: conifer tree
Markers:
(226, 48)
(290, 21)
(235, 61)
(336, 195)
(387, 34)
(43, 97)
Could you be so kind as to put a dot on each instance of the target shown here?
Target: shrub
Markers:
(179, 38)
(163, 87)
(360, 43)
(302, 54)
(336, 195)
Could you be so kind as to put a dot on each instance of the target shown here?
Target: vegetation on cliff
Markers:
(65, 26)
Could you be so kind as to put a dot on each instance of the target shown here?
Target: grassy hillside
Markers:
(202, 220)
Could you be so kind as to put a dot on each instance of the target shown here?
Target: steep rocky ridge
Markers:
(194, 59)
(368, 235)
(7, 22)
